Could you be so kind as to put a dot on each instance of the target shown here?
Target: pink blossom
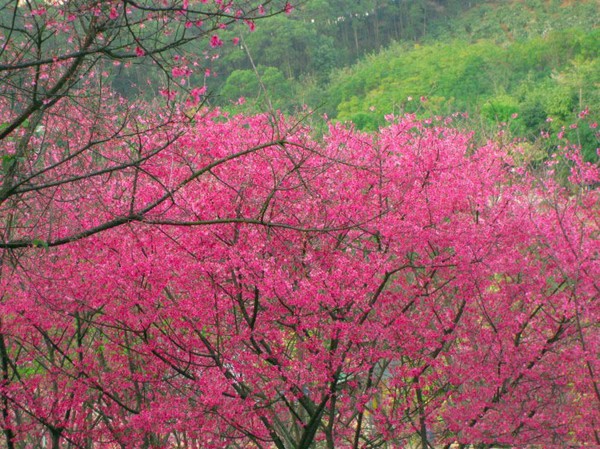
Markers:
(197, 91)
(113, 13)
(584, 113)
(215, 41)
(169, 94)
(178, 72)
(139, 51)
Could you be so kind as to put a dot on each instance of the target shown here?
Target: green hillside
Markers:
(538, 77)
(520, 62)
(511, 20)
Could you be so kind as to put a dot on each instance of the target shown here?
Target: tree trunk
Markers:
(8, 432)
(55, 435)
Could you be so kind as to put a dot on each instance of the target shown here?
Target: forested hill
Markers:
(519, 60)
(509, 20)
(527, 81)
(321, 35)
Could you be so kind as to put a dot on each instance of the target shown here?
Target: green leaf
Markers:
(38, 243)
(8, 162)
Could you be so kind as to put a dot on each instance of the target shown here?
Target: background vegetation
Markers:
(530, 64)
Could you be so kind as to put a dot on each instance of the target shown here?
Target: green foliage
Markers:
(500, 108)
(516, 61)
(524, 83)
(365, 121)
(514, 20)
(268, 85)
(323, 35)
(294, 46)
(8, 162)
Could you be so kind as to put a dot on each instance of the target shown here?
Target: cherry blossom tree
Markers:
(231, 281)
(56, 65)
(367, 291)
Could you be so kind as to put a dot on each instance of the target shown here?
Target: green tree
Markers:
(266, 87)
